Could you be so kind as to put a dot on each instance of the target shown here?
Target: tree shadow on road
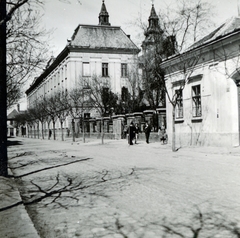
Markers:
(13, 143)
(47, 168)
(209, 224)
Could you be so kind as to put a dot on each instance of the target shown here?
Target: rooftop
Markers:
(101, 37)
(230, 26)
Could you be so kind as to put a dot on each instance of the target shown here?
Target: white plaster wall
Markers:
(95, 60)
(69, 72)
(219, 121)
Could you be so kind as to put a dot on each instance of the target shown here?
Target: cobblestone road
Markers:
(116, 190)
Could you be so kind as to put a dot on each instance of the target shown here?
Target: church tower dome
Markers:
(154, 32)
(153, 23)
(103, 16)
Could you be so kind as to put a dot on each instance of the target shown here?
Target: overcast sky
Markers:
(65, 17)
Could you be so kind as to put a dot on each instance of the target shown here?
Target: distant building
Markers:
(208, 109)
(14, 126)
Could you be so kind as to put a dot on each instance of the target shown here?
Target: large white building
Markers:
(101, 50)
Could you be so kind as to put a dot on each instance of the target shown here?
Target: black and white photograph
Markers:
(120, 118)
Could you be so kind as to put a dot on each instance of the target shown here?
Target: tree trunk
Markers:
(173, 131)
(73, 130)
(38, 130)
(31, 136)
(34, 131)
(3, 94)
(48, 129)
(102, 131)
(42, 131)
(54, 132)
(28, 130)
(83, 129)
(61, 122)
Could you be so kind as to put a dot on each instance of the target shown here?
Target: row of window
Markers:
(105, 71)
(196, 102)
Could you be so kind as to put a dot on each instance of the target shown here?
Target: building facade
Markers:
(207, 79)
(101, 50)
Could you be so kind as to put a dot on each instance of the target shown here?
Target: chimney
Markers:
(129, 36)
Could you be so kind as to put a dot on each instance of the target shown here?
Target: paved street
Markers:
(116, 190)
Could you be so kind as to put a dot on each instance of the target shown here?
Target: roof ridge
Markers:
(227, 27)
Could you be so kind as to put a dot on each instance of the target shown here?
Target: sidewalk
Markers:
(14, 219)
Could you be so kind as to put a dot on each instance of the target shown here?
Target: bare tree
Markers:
(132, 95)
(26, 50)
(39, 113)
(26, 119)
(75, 104)
(101, 97)
(62, 109)
(7, 11)
(188, 21)
(153, 76)
(52, 111)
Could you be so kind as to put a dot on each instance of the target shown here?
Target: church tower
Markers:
(103, 16)
(154, 32)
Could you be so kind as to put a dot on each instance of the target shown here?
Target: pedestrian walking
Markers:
(147, 131)
(131, 133)
(137, 129)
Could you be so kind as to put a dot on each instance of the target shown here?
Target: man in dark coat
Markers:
(147, 131)
(131, 133)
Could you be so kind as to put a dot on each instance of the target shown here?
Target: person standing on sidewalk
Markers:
(137, 129)
(147, 131)
(131, 133)
(49, 134)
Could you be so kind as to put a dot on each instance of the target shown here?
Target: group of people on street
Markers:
(133, 133)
